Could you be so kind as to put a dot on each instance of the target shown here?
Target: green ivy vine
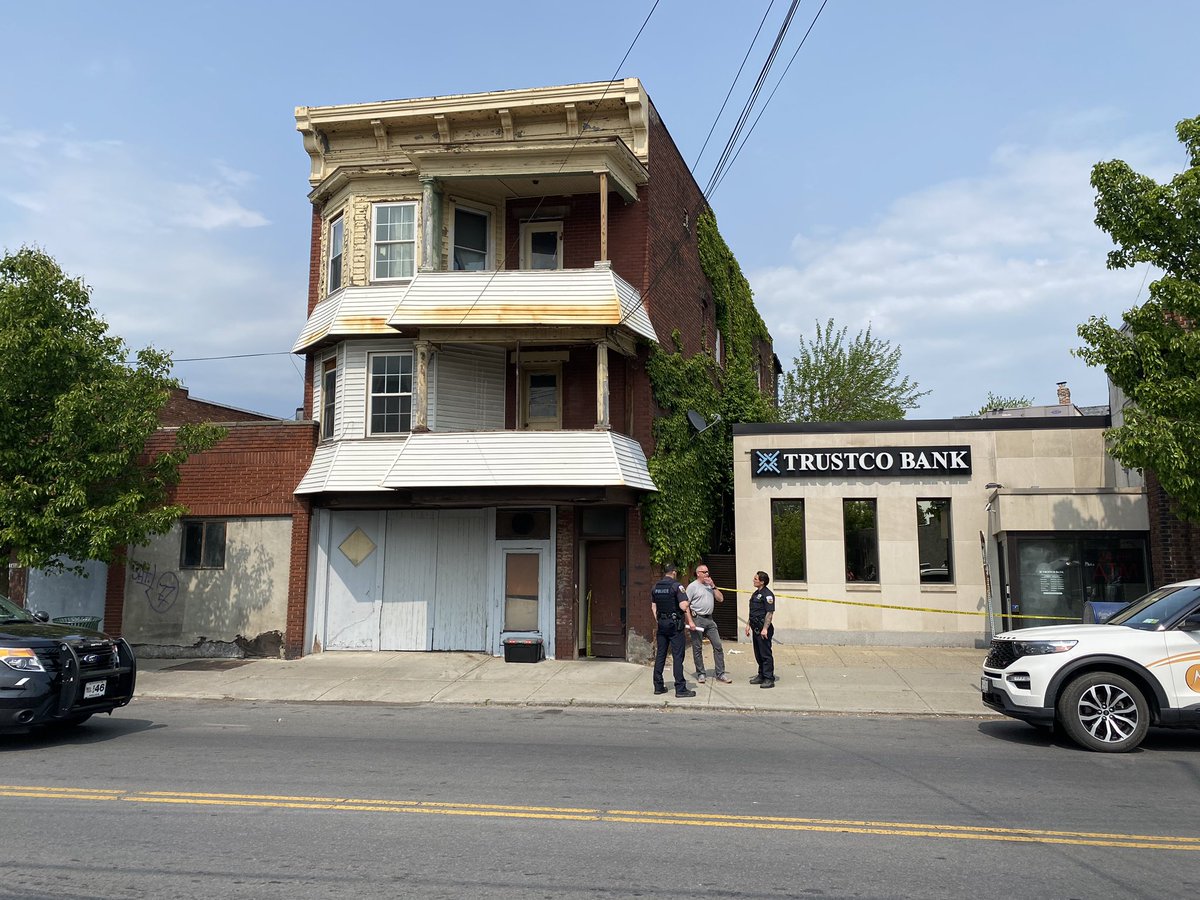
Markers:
(692, 513)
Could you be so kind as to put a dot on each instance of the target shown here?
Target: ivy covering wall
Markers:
(692, 513)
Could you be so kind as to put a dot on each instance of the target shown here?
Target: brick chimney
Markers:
(1064, 394)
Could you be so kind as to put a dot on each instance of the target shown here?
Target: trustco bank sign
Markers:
(861, 461)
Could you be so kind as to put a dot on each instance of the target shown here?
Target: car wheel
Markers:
(1104, 711)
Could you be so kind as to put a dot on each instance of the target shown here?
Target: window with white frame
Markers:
(328, 397)
(337, 242)
(471, 228)
(391, 386)
(543, 398)
(393, 241)
(541, 245)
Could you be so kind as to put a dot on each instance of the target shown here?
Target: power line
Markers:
(723, 161)
(770, 96)
(231, 356)
(732, 85)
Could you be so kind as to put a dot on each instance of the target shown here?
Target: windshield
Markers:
(1153, 611)
(10, 610)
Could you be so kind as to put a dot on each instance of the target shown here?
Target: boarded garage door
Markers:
(407, 580)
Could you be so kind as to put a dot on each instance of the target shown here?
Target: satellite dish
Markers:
(697, 421)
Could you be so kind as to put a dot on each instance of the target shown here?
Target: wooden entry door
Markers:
(605, 561)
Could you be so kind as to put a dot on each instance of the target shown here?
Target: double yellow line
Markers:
(621, 816)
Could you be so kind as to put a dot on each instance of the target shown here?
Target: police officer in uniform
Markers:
(762, 610)
(669, 603)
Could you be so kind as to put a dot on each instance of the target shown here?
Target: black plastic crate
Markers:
(523, 650)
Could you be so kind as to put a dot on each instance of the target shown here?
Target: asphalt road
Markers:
(178, 799)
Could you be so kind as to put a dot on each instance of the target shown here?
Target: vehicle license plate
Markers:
(94, 689)
(985, 684)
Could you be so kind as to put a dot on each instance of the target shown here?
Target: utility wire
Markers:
(723, 161)
(769, 97)
(732, 85)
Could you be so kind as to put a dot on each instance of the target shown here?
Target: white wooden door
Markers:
(353, 580)
(460, 615)
(410, 580)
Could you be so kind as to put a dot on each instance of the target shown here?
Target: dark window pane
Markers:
(214, 545)
(787, 539)
(193, 543)
(862, 540)
(935, 542)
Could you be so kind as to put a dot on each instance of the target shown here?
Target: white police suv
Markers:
(1104, 685)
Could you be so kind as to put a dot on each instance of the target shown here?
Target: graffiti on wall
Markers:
(162, 589)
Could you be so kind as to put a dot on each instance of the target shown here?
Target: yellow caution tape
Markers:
(929, 609)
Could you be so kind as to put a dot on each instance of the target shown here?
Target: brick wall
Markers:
(1174, 544)
(182, 409)
(566, 599)
(252, 471)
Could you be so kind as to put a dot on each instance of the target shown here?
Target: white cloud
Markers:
(981, 282)
(176, 261)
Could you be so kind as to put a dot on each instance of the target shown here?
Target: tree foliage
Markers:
(692, 513)
(835, 381)
(74, 421)
(1002, 401)
(1155, 357)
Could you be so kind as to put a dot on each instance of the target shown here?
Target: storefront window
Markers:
(1057, 575)
(934, 541)
(787, 539)
(862, 540)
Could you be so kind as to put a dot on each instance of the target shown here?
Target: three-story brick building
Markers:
(489, 273)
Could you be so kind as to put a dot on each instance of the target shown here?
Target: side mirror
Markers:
(41, 615)
(1191, 622)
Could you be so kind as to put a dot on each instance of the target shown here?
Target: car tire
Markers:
(1105, 712)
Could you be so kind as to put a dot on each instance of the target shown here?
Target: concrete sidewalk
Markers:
(827, 679)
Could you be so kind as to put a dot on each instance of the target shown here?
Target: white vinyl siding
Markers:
(354, 398)
(468, 391)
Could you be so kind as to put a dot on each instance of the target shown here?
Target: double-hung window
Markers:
(337, 242)
(394, 241)
(328, 398)
(391, 386)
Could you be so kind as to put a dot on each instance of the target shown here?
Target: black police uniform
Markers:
(666, 595)
(762, 602)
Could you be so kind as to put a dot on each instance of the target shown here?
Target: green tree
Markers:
(74, 420)
(1155, 356)
(998, 401)
(835, 381)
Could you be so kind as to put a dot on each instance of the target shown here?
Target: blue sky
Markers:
(923, 167)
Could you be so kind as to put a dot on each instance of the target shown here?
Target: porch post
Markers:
(604, 217)
(431, 225)
(602, 423)
(420, 420)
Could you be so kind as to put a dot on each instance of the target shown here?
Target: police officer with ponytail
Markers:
(669, 603)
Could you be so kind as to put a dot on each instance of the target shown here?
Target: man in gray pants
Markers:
(702, 593)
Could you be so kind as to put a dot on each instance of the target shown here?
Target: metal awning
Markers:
(480, 459)
(595, 297)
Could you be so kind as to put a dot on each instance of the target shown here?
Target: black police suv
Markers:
(58, 675)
